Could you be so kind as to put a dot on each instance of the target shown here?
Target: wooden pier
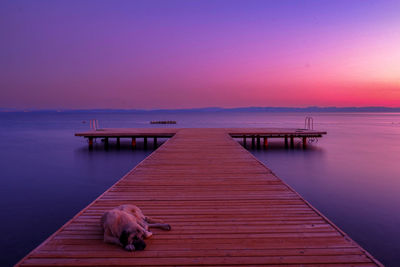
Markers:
(253, 134)
(225, 208)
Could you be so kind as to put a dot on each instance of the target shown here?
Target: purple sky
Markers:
(182, 54)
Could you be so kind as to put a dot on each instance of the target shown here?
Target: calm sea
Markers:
(352, 175)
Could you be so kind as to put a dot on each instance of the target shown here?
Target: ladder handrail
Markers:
(94, 124)
(309, 123)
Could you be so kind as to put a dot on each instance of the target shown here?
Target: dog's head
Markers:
(132, 239)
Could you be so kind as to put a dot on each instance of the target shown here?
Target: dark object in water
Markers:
(163, 122)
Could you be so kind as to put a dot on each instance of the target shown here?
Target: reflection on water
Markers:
(48, 175)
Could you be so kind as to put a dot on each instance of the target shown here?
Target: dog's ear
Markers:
(124, 238)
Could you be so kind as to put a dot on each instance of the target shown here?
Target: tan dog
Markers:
(128, 227)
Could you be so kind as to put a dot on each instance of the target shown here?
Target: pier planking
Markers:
(225, 208)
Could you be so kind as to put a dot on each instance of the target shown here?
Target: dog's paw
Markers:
(148, 234)
(129, 247)
(167, 227)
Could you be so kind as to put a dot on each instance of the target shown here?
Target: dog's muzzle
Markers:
(139, 244)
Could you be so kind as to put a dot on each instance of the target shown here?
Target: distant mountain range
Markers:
(217, 109)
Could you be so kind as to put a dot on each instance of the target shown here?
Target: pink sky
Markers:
(184, 54)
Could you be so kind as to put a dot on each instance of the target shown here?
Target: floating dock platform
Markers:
(256, 135)
(225, 207)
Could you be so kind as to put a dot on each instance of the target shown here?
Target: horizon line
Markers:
(248, 108)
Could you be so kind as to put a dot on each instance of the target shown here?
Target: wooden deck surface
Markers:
(224, 206)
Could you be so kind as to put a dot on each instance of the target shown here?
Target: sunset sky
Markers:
(184, 54)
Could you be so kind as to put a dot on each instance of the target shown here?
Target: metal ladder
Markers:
(309, 123)
(94, 124)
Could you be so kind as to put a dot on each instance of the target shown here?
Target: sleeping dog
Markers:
(126, 226)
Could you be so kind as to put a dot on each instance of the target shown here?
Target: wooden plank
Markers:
(225, 208)
(186, 261)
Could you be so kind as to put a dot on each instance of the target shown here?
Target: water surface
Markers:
(351, 175)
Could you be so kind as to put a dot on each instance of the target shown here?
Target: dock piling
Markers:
(118, 142)
(90, 142)
(265, 142)
(145, 142)
(133, 142)
(291, 142)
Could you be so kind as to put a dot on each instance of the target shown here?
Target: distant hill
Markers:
(217, 109)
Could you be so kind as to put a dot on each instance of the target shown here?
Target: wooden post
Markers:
(90, 142)
(106, 142)
(265, 142)
(145, 142)
(133, 142)
(155, 142)
(244, 141)
(291, 142)
(118, 142)
(286, 142)
(258, 141)
(304, 142)
(253, 141)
